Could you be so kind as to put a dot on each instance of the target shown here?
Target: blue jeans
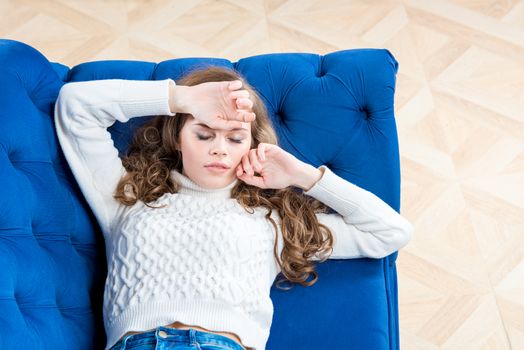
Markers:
(164, 338)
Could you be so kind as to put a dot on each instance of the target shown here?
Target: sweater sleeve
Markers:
(364, 225)
(83, 112)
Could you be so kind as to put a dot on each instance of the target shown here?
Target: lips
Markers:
(218, 165)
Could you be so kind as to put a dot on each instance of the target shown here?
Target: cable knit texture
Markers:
(202, 259)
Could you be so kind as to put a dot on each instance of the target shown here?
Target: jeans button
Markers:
(162, 334)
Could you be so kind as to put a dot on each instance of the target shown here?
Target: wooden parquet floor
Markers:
(460, 115)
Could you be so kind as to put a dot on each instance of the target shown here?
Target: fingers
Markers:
(239, 94)
(244, 106)
(254, 161)
(246, 117)
(245, 103)
(246, 166)
(249, 163)
(253, 180)
(235, 84)
(261, 150)
(249, 160)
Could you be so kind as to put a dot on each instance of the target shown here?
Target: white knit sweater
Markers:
(202, 260)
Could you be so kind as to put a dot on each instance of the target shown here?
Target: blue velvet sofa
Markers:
(335, 109)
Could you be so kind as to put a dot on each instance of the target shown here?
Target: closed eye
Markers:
(200, 137)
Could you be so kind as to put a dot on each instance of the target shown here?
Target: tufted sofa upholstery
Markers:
(335, 109)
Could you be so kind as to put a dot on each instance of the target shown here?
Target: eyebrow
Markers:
(207, 127)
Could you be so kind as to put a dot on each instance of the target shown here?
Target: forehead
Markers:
(197, 123)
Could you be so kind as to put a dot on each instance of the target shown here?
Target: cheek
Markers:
(244, 151)
(188, 149)
(241, 153)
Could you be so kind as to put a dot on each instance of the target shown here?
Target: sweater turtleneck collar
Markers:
(189, 187)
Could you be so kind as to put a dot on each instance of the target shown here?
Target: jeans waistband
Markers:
(189, 336)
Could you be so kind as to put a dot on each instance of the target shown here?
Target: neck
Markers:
(189, 187)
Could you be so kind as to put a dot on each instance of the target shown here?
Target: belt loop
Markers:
(125, 340)
(192, 336)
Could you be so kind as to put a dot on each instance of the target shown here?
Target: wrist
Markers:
(178, 95)
(308, 176)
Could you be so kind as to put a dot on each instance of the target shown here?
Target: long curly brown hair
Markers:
(153, 153)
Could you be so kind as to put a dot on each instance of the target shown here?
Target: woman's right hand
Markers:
(219, 105)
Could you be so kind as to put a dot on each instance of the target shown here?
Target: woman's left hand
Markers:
(277, 168)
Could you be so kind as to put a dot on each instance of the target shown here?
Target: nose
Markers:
(218, 146)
